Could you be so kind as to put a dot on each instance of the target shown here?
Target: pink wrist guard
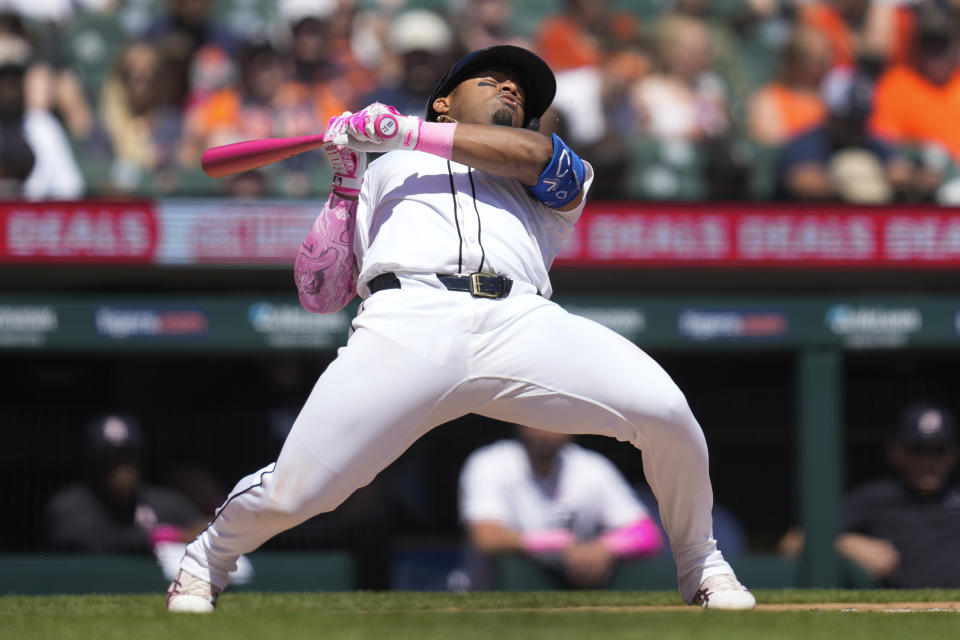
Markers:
(637, 539)
(436, 138)
(323, 269)
(165, 533)
(546, 541)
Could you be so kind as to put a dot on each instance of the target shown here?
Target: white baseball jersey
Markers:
(407, 222)
(586, 495)
(421, 355)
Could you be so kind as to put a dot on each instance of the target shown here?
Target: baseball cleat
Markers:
(190, 594)
(724, 591)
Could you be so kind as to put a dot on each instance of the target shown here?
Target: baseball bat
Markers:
(238, 157)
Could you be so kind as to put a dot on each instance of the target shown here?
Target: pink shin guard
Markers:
(323, 269)
(638, 539)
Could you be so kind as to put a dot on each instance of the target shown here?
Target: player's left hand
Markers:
(348, 165)
(376, 128)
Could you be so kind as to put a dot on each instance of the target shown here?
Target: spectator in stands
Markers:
(840, 159)
(143, 129)
(574, 38)
(52, 172)
(686, 99)
(917, 104)
(724, 46)
(51, 85)
(264, 103)
(483, 23)
(685, 143)
(211, 70)
(180, 32)
(904, 530)
(554, 502)
(791, 103)
(862, 29)
(192, 22)
(16, 156)
(591, 50)
(111, 509)
(322, 54)
(423, 44)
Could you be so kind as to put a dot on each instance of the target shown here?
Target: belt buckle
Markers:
(475, 286)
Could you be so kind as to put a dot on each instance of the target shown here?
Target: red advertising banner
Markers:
(609, 234)
(78, 232)
(757, 235)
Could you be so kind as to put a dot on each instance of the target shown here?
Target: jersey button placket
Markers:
(468, 226)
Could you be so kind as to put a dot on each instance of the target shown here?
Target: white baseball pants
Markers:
(421, 356)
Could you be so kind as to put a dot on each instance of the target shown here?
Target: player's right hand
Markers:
(377, 127)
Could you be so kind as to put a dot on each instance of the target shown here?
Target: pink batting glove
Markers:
(380, 128)
(348, 165)
(348, 168)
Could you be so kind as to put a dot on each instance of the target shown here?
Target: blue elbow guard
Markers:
(562, 180)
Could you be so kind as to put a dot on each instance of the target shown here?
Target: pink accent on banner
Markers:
(78, 232)
(763, 235)
(268, 234)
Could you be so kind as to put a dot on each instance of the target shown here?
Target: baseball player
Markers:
(564, 507)
(448, 238)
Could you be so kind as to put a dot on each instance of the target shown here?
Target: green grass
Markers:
(448, 616)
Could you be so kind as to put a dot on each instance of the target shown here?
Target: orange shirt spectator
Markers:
(265, 103)
(897, 30)
(293, 111)
(582, 35)
(784, 112)
(565, 44)
(792, 103)
(909, 108)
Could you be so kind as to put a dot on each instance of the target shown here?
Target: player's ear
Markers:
(441, 105)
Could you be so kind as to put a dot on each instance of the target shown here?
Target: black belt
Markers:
(479, 285)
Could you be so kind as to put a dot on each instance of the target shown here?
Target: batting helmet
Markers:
(536, 78)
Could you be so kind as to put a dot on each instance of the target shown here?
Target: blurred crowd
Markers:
(826, 100)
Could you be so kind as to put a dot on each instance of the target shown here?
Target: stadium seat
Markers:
(91, 43)
(665, 171)
(248, 18)
(763, 171)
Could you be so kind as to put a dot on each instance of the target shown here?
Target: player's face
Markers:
(490, 96)
(924, 470)
(542, 447)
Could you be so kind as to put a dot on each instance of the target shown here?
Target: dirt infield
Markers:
(846, 607)
(853, 607)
